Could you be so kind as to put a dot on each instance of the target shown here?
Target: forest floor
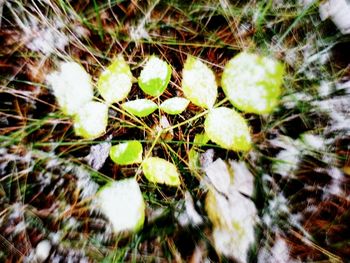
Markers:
(299, 162)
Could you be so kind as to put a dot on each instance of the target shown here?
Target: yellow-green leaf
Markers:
(123, 205)
(200, 139)
(155, 76)
(129, 152)
(160, 171)
(253, 83)
(91, 119)
(228, 128)
(198, 83)
(115, 82)
(140, 108)
(174, 105)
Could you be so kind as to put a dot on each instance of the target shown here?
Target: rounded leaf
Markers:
(115, 82)
(228, 129)
(160, 171)
(140, 108)
(122, 203)
(198, 83)
(174, 105)
(155, 76)
(90, 121)
(253, 83)
(71, 86)
(129, 152)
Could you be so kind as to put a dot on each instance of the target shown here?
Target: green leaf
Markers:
(193, 155)
(160, 171)
(193, 159)
(91, 119)
(198, 83)
(140, 108)
(174, 105)
(122, 203)
(115, 82)
(129, 152)
(71, 86)
(228, 129)
(155, 76)
(200, 139)
(253, 83)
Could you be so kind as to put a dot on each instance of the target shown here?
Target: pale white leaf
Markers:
(198, 83)
(234, 217)
(71, 86)
(243, 180)
(91, 119)
(123, 205)
(219, 175)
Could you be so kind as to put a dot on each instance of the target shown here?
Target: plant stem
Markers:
(149, 152)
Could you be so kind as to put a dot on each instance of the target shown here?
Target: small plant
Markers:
(252, 84)
(161, 142)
